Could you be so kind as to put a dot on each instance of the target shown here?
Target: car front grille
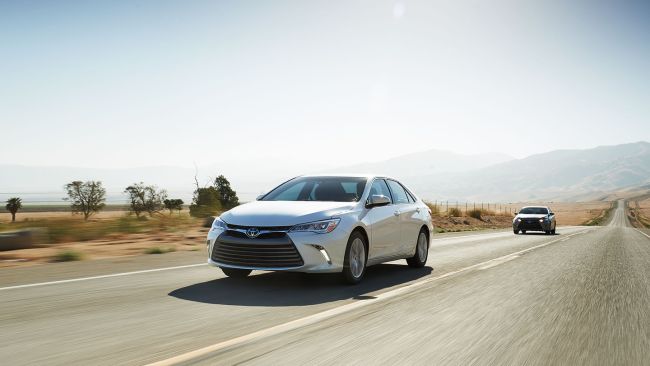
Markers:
(530, 224)
(267, 250)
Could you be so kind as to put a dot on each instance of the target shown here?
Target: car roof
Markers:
(546, 207)
(363, 175)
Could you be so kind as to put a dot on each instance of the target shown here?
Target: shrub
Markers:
(475, 214)
(68, 256)
(454, 212)
(157, 250)
(154, 250)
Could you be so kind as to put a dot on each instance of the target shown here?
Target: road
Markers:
(579, 297)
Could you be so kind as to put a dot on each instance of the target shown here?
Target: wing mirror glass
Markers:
(378, 200)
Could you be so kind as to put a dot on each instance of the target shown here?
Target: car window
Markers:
(534, 211)
(410, 196)
(291, 193)
(399, 194)
(379, 187)
(333, 189)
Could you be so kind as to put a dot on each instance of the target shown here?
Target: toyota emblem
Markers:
(252, 232)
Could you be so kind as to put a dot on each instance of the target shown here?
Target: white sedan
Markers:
(323, 223)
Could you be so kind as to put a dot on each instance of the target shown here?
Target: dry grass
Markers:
(104, 236)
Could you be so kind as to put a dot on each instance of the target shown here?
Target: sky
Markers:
(298, 86)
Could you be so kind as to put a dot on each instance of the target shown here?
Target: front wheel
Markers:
(236, 272)
(354, 265)
(419, 259)
(515, 231)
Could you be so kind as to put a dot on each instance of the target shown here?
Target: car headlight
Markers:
(320, 227)
(542, 220)
(518, 219)
(218, 224)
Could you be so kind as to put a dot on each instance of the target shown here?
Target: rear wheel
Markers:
(419, 259)
(354, 265)
(236, 272)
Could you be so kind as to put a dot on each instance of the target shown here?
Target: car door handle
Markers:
(396, 213)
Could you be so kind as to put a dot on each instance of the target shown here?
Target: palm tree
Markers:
(13, 205)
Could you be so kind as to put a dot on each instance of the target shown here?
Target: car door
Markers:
(383, 224)
(408, 222)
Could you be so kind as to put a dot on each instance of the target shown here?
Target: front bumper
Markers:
(320, 253)
(532, 225)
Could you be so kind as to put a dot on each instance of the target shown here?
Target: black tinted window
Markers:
(337, 189)
(399, 194)
(534, 211)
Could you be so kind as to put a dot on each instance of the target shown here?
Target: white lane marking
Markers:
(315, 318)
(647, 236)
(496, 263)
(101, 276)
(504, 233)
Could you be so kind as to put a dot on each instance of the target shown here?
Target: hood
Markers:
(530, 216)
(284, 213)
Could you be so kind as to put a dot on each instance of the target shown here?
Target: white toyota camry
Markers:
(323, 223)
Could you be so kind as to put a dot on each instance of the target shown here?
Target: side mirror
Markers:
(516, 213)
(377, 200)
(551, 213)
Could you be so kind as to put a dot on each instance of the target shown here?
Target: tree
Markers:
(174, 204)
(87, 197)
(145, 198)
(13, 205)
(205, 202)
(227, 197)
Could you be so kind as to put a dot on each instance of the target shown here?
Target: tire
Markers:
(354, 264)
(236, 272)
(523, 231)
(553, 231)
(516, 232)
(547, 232)
(419, 259)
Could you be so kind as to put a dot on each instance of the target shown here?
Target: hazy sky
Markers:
(306, 84)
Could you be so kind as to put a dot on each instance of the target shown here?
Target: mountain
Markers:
(556, 175)
(426, 163)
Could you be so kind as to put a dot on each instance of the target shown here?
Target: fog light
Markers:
(323, 252)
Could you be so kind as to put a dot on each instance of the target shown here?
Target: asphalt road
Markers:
(579, 297)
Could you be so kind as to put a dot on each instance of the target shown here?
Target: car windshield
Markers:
(335, 189)
(534, 211)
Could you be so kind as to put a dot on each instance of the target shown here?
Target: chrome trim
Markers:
(261, 231)
(215, 263)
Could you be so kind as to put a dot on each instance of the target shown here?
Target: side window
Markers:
(379, 187)
(399, 194)
(411, 196)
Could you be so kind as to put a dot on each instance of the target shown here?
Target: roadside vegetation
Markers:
(602, 218)
(151, 223)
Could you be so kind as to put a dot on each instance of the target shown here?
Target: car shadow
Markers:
(540, 233)
(296, 289)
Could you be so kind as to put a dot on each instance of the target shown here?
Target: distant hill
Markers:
(556, 175)
(427, 163)
(604, 172)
